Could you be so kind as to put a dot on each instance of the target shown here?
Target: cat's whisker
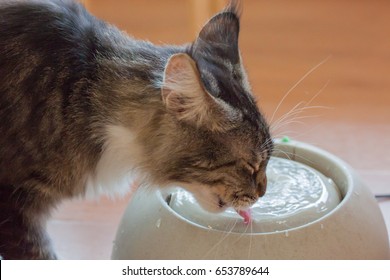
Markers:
(275, 129)
(291, 133)
(298, 109)
(295, 112)
(296, 84)
(266, 143)
(302, 134)
(286, 154)
(288, 113)
(250, 241)
(293, 156)
(5, 221)
(319, 92)
(295, 121)
(224, 236)
(285, 118)
(250, 227)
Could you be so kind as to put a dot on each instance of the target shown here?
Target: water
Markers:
(158, 223)
(292, 188)
(296, 195)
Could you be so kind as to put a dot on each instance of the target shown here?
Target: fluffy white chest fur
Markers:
(116, 169)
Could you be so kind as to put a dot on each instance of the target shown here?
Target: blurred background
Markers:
(319, 69)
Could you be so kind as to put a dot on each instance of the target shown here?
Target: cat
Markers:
(82, 105)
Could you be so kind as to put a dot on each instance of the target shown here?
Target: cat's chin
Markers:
(212, 208)
(208, 204)
(208, 200)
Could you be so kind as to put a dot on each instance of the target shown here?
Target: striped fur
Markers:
(84, 106)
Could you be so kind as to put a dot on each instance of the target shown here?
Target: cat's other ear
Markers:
(185, 97)
(221, 33)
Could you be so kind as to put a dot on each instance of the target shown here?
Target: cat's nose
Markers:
(262, 186)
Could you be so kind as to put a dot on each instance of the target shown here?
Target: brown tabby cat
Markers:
(82, 105)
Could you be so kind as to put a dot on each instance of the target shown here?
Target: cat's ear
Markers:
(185, 97)
(221, 33)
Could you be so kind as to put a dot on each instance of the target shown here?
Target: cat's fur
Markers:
(82, 105)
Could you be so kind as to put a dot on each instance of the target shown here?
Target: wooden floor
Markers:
(344, 45)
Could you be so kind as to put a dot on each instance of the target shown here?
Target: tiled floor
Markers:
(280, 42)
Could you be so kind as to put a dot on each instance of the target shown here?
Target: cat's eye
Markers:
(250, 167)
(210, 166)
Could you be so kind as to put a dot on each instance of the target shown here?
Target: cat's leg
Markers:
(23, 218)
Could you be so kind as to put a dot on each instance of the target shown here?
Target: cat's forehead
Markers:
(245, 142)
(227, 81)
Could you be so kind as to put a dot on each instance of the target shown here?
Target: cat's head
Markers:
(222, 141)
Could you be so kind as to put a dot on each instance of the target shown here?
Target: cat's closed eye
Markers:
(251, 167)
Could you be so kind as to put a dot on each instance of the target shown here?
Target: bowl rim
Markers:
(345, 169)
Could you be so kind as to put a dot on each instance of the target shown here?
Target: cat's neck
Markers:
(129, 86)
(128, 112)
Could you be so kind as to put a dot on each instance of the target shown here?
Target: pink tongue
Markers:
(246, 214)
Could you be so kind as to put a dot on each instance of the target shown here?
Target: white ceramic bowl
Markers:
(353, 229)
